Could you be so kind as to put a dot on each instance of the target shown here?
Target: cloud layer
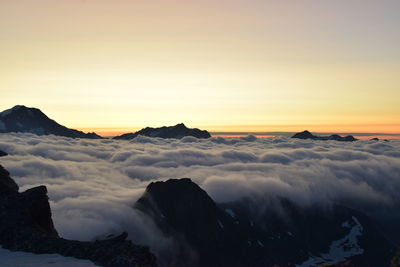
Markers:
(94, 183)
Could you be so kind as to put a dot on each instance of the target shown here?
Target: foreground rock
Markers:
(26, 225)
(260, 232)
(33, 120)
(178, 131)
(336, 137)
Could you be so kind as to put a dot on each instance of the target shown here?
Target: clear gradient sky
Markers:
(228, 65)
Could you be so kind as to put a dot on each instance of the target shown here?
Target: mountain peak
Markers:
(177, 131)
(32, 120)
(11, 110)
(307, 135)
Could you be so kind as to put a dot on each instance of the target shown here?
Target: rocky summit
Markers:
(260, 231)
(307, 135)
(33, 120)
(26, 225)
(178, 131)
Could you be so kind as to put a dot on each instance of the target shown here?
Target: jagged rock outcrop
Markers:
(26, 225)
(396, 260)
(178, 131)
(33, 120)
(260, 232)
(307, 135)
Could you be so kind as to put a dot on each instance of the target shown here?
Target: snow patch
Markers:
(346, 224)
(341, 249)
(231, 213)
(15, 258)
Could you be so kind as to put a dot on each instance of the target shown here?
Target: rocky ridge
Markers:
(260, 232)
(26, 225)
(178, 131)
(307, 135)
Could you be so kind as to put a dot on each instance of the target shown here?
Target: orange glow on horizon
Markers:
(221, 130)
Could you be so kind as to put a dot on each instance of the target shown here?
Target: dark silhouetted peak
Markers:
(180, 202)
(33, 120)
(26, 225)
(304, 135)
(349, 138)
(259, 231)
(336, 137)
(7, 185)
(374, 139)
(2, 153)
(178, 131)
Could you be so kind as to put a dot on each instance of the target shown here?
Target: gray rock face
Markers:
(178, 131)
(33, 120)
(26, 225)
(307, 135)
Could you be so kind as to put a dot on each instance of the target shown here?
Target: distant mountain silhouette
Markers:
(307, 135)
(33, 120)
(178, 131)
(253, 232)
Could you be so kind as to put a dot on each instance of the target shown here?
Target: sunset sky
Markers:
(250, 65)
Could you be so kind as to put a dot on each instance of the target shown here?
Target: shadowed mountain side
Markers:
(259, 232)
(26, 225)
(178, 131)
(307, 135)
(33, 120)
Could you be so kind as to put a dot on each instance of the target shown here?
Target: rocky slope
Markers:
(178, 131)
(33, 120)
(307, 135)
(260, 232)
(2, 153)
(26, 225)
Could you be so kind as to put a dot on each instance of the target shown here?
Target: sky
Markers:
(254, 65)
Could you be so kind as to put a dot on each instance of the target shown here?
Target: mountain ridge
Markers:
(32, 120)
(307, 135)
(241, 233)
(26, 225)
(177, 131)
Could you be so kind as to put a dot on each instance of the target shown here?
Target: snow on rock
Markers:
(15, 258)
(341, 249)
(231, 213)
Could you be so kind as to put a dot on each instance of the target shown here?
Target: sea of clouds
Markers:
(93, 184)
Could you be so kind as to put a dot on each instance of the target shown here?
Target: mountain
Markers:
(307, 135)
(26, 225)
(33, 120)
(259, 232)
(178, 131)
(2, 153)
